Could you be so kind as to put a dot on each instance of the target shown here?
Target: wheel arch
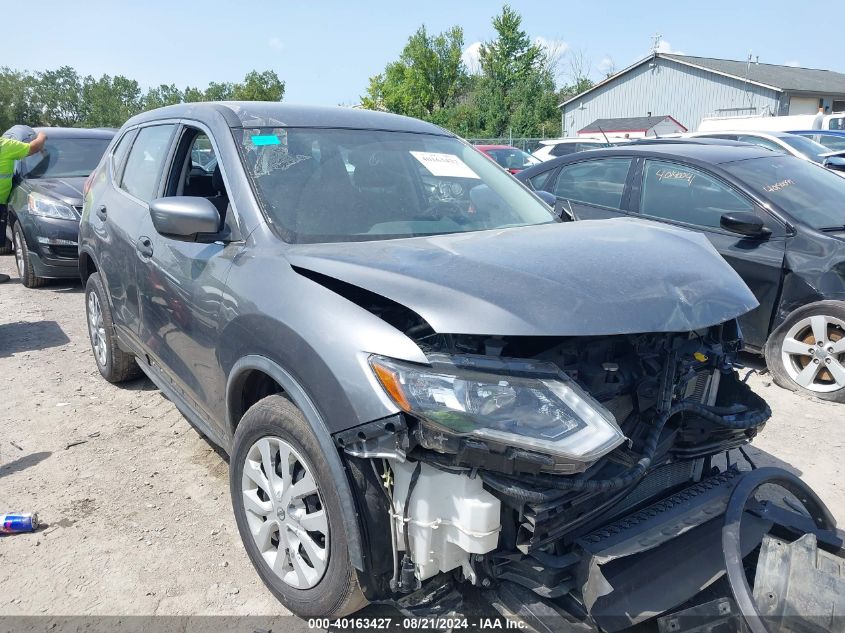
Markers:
(87, 266)
(254, 367)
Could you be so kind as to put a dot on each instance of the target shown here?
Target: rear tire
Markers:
(806, 354)
(273, 436)
(23, 261)
(114, 364)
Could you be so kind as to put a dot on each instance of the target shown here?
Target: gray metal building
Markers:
(691, 88)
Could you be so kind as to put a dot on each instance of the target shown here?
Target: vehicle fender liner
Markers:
(300, 398)
(732, 529)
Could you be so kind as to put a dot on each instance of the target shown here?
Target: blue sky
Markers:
(326, 51)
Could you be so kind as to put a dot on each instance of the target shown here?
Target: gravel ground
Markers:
(136, 501)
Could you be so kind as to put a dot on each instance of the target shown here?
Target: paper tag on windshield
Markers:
(447, 165)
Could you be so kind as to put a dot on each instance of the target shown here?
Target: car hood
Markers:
(68, 190)
(573, 279)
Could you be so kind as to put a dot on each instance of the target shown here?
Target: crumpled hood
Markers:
(574, 279)
(68, 190)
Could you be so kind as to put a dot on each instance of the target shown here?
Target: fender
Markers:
(300, 398)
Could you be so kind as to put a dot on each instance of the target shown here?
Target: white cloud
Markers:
(666, 47)
(606, 65)
(275, 42)
(470, 57)
(792, 63)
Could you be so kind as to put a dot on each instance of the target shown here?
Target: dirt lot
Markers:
(138, 512)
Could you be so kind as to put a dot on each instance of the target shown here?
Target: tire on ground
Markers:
(24, 264)
(120, 366)
(338, 592)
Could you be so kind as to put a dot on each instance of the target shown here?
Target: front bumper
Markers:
(53, 245)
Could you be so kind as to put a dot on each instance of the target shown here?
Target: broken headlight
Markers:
(524, 404)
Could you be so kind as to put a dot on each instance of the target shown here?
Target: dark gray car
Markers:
(46, 202)
(423, 378)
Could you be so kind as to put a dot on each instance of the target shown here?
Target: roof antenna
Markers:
(606, 140)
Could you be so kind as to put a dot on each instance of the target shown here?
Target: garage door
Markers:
(803, 105)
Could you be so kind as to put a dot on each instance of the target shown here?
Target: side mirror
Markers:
(183, 217)
(744, 223)
(549, 198)
(836, 163)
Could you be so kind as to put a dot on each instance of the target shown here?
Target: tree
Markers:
(428, 76)
(265, 86)
(516, 91)
(164, 95)
(60, 96)
(110, 101)
(580, 68)
(221, 91)
(17, 99)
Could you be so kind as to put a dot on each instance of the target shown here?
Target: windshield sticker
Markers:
(783, 184)
(266, 139)
(446, 165)
(674, 174)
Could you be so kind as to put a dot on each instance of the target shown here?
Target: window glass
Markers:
(539, 180)
(808, 192)
(336, 185)
(833, 142)
(65, 157)
(762, 142)
(120, 150)
(145, 161)
(512, 158)
(836, 122)
(598, 182)
(684, 194)
(202, 154)
(812, 150)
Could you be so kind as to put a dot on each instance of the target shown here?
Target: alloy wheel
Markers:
(16, 241)
(96, 329)
(813, 353)
(285, 512)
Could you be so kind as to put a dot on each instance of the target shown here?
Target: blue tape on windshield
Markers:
(266, 139)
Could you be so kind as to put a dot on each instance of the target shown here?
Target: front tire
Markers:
(807, 353)
(23, 261)
(288, 512)
(114, 364)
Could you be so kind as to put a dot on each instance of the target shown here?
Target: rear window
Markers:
(808, 192)
(65, 158)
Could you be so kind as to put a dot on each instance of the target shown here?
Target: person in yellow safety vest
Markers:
(10, 151)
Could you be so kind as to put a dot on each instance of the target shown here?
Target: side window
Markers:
(119, 153)
(562, 149)
(539, 180)
(684, 194)
(598, 182)
(143, 165)
(762, 142)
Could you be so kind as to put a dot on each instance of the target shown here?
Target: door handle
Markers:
(144, 246)
(101, 212)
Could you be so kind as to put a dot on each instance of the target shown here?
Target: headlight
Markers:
(45, 207)
(525, 404)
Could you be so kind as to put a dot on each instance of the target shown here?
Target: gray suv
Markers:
(424, 379)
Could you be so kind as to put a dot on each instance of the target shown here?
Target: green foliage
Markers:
(515, 91)
(62, 98)
(428, 77)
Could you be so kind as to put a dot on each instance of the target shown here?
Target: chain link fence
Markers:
(525, 144)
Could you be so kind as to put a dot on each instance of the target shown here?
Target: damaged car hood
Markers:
(574, 279)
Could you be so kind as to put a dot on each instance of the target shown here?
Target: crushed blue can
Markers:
(18, 522)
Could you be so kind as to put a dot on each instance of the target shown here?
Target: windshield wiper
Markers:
(832, 229)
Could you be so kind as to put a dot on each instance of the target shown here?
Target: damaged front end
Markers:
(580, 482)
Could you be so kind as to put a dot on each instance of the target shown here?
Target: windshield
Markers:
(812, 150)
(833, 142)
(65, 158)
(512, 158)
(337, 185)
(809, 193)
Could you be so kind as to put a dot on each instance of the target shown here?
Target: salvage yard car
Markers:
(778, 220)
(425, 381)
(46, 202)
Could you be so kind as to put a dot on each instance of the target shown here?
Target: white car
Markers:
(798, 146)
(556, 147)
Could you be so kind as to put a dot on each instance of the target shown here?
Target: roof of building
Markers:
(772, 76)
(627, 124)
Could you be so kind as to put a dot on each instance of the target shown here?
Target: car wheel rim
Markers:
(813, 353)
(18, 253)
(285, 512)
(96, 329)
